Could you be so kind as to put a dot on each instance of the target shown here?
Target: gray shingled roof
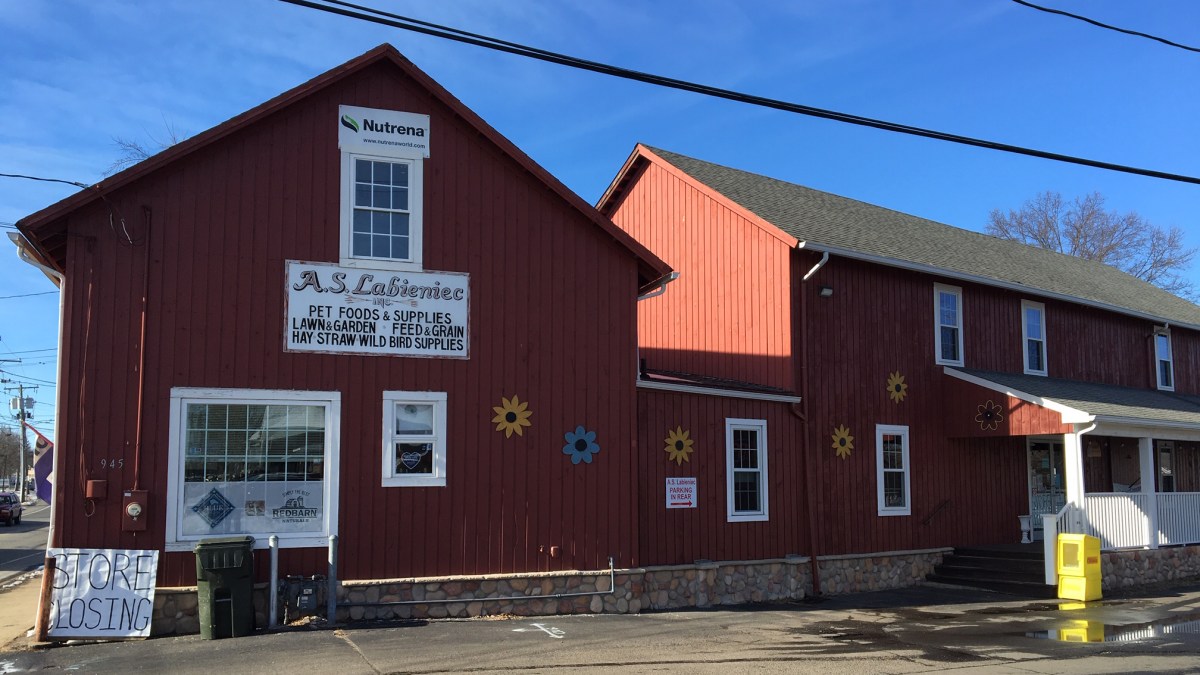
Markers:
(1101, 400)
(825, 220)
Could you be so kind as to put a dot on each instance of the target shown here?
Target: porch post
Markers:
(1149, 488)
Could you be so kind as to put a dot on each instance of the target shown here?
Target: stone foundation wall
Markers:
(177, 610)
(702, 584)
(876, 572)
(1127, 569)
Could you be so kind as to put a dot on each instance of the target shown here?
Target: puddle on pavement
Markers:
(1098, 631)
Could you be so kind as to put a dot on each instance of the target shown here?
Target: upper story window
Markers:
(1033, 330)
(381, 211)
(383, 153)
(1163, 365)
(947, 307)
(414, 438)
(746, 469)
(892, 470)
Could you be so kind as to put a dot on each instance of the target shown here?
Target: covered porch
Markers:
(1128, 470)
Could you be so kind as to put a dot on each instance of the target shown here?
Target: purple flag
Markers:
(43, 464)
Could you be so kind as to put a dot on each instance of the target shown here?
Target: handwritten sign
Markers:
(347, 310)
(102, 593)
(681, 493)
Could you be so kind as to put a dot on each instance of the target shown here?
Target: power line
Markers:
(26, 377)
(25, 295)
(113, 213)
(1126, 31)
(435, 30)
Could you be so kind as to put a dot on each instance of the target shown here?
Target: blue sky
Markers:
(75, 75)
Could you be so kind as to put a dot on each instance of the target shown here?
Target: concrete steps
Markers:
(1017, 570)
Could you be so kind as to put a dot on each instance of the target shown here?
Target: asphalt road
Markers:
(923, 630)
(22, 547)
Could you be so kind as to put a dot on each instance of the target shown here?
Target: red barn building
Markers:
(952, 382)
(358, 310)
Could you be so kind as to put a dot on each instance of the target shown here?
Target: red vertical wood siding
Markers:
(729, 312)
(677, 536)
(552, 321)
(879, 321)
(1018, 417)
(967, 485)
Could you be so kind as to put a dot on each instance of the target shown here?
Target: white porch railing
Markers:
(1178, 518)
(1122, 519)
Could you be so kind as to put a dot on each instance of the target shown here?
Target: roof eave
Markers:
(651, 269)
(997, 283)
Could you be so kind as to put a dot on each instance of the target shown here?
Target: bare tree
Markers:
(133, 151)
(1086, 229)
(10, 459)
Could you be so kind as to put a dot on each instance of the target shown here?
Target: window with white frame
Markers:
(414, 439)
(1033, 330)
(891, 456)
(1166, 466)
(947, 307)
(381, 211)
(1164, 366)
(252, 461)
(746, 469)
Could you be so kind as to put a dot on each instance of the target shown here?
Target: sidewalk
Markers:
(18, 609)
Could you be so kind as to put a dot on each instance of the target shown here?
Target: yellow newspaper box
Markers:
(1078, 567)
(1078, 555)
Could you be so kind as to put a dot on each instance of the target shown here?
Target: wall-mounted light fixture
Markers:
(826, 291)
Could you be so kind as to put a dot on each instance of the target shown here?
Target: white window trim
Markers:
(181, 396)
(892, 430)
(1164, 332)
(438, 477)
(1041, 308)
(938, 289)
(760, 426)
(416, 220)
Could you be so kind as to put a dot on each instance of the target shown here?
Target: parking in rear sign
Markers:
(681, 493)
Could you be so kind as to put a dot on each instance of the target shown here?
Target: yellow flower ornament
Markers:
(511, 415)
(679, 446)
(896, 387)
(843, 442)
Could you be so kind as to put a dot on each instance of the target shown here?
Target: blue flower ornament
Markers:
(581, 445)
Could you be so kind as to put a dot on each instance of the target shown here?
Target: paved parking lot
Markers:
(927, 629)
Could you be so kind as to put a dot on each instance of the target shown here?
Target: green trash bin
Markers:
(225, 586)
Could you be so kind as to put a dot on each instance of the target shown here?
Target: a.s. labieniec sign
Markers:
(351, 310)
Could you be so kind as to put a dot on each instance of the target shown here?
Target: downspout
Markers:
(800, 353)
(659, 290)
(1075, 473)
(60, 280)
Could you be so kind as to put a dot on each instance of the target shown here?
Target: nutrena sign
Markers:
(386, 133)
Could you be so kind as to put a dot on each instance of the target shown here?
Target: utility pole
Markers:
(24, 438)
(24, 415)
